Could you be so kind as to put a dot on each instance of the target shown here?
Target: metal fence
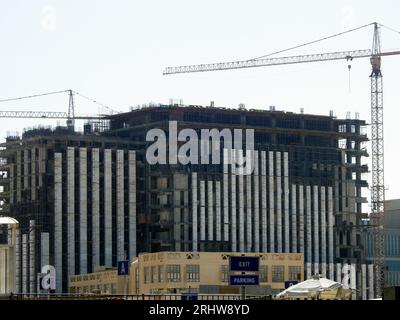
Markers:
(189, 296)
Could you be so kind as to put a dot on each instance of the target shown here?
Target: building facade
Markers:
(194, 272)
(74, 196)
(304, 194)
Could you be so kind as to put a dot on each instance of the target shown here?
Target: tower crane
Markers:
(375, 55)
(69, 116)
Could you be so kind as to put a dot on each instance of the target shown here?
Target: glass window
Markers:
(153, 274)
(278, 273)
(193, 273)
(107, 288)
(224, 273)
(113, 288)
(174, 273)
(160, 273)
(295, 273)
(263, 274)
(146, 273)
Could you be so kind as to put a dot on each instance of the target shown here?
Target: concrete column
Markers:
(337, 200)
(18, 260)
(24, 263)
(95, 209)
(83, 241)
(256, 205)
(186, 211)
(132, 203)
(316, 230)
(249, 235)
(58, 227)
(364, 281)
(353, 280)
(120, 206)
(107, 208)
(71, 209)
(264, 222)
(233, 202)
(19, 176)
(241, 207)
(210, 210)
(279, 239)
(331, 223)
(286, 225)
(202, 211)
(32, 255)
(33, 174)
(44, 250)
(225, 187)
(12, 179)
(323, 232)
(194, 212)
(177, 211)
(308, 228)
(42, 164)
(308, 270)
(371, 291)
(218, 210)
(301, 218)
(294, 218)
(7, 263)
(339, 272)
(271, 211)
(26, 166)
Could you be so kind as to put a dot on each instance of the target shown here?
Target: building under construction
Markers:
(88, 200)
(74, 196)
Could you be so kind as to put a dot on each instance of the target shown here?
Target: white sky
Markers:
(115, 52)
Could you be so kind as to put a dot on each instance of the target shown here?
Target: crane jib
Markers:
(345, 55)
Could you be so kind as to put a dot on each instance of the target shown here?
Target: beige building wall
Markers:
(175, 272)
(104, 281)
(7, 268)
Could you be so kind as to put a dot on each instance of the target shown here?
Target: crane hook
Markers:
(349, 68)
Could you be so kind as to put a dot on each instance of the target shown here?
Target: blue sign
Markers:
(244, 280)
(189, 296)
(244, 263)
(123, 268)
(290, 283)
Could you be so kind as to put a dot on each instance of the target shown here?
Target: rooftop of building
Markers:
(240, 110)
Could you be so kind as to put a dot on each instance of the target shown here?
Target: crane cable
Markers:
(94, 101)
(57, 92)
(312, 42)
(33, 96)
(389, 28)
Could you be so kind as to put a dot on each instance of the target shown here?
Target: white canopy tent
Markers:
(7, 220)
(311, 288)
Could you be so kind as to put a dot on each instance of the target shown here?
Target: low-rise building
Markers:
(195, 272)
(102, 281)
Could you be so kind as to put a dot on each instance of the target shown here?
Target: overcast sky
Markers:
(115, 52)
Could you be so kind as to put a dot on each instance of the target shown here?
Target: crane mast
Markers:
(378, 185)
(71, 111)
